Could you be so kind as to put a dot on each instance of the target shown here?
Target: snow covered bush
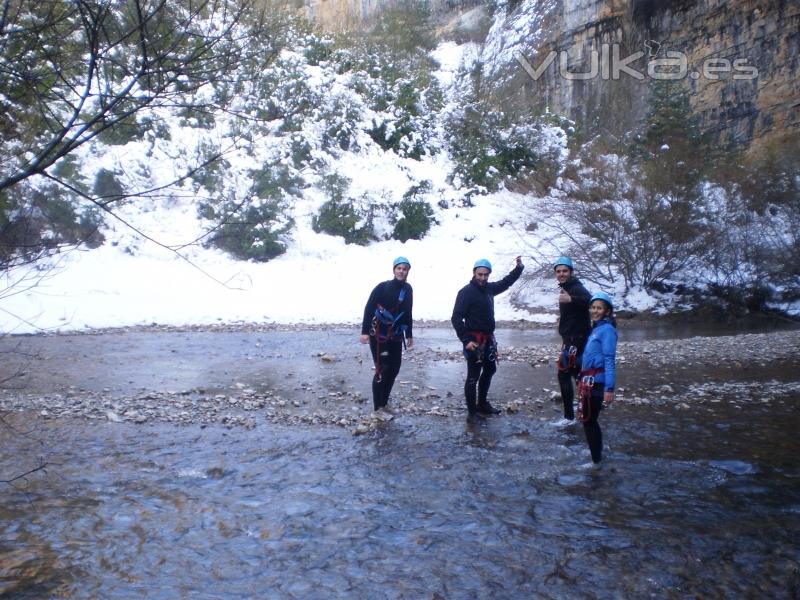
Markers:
(417, 214)
(252, 232)
(489, 150)
(107, 187)
(255, 227)
(392, 70)
(339, 119)
(35, 222)
(343, 216)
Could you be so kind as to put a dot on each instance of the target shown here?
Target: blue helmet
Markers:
(564, 260)
(604, 297)
(401, 260)
(482, 262)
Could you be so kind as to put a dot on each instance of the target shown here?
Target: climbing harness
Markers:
(487, 346)
(583, 410)
(386, 327)
(567, 359)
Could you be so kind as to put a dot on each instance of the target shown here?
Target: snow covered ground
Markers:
(320, 279)
(134, 280)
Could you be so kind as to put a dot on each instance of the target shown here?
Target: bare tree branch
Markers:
(42, 467)
(174, 57)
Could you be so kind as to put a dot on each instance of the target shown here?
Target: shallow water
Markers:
(130, 361)
(702, 503)
(687, 504)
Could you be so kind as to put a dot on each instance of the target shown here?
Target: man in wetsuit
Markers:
(574, 326)
(386, 326)
(473, 320)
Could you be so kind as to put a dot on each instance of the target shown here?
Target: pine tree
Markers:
(676, 152)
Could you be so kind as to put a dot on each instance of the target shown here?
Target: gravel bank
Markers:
(741, 368)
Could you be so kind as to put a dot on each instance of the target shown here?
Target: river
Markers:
(686, 504)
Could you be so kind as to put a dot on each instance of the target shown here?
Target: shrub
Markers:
(319, 50)
(122, 132)
(300, 151)
(255, 228)
(339, 118)
(417, 214)
(107, 187)
(211, 175)
(343, 216)
(283, 92)
(68, 169)
(36, 222)
(489, 150)
(254, 232)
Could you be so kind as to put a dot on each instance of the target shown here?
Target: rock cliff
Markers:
(594, 60)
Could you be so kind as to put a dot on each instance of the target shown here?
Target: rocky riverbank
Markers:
(762, 367)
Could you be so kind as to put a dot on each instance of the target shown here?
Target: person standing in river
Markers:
(598, 371)
(473, 320)
(387, 328)
(574, 327)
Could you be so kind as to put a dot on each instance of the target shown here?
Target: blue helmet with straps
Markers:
(604, 297)
(564, 260)
(401, 260)
(482, 262)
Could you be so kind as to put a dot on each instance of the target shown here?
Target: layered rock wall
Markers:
(740, 60)
(589, 59)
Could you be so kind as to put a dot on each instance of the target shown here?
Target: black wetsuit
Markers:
(473, 320)
(387, 351)
(574, 326)
(594, 435)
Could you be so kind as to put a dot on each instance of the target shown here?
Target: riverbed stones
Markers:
(761, 368)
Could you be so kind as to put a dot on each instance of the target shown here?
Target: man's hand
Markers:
(608, 397)
(409, 343)
(564, 297)
(470, 346)
(364, 339)
(519, 261)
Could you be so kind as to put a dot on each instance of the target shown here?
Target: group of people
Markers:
(586, 362)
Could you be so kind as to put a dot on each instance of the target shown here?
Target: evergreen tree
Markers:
(675, 153)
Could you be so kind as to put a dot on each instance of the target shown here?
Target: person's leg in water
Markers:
(594, 435)
(389, 361)
(474, 367)
(489, 369)
(567, 374)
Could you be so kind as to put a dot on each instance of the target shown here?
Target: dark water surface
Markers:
(700, 503)
(695, 504)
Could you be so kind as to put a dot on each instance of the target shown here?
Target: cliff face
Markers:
(594, 60)
(766, 36)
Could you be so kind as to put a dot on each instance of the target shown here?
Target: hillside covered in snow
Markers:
(280, 191)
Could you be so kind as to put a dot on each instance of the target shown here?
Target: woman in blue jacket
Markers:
(598, 372)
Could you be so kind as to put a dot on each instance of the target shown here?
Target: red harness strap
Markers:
(583, 411)
(572, 357)
(480, 337)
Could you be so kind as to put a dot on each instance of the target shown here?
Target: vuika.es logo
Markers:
(608, 63)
